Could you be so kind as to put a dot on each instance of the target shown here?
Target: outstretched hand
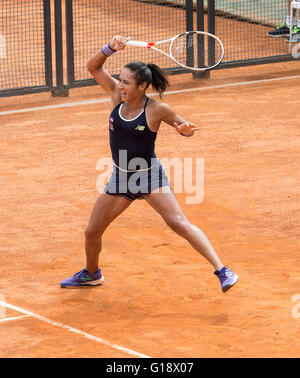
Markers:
(187, 129)
(118, 42)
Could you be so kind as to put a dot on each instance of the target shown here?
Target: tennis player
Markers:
(133, 125)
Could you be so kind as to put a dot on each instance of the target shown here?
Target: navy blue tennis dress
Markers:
(136, 171)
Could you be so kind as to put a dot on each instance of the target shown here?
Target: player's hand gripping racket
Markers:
(193, 50)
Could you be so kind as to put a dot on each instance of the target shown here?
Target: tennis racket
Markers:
(193, 50)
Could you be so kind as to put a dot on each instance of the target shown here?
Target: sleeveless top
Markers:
(131, 139)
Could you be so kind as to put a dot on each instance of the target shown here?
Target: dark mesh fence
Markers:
(25, 36)
(243, 27)
(23, 62)
(95, 22)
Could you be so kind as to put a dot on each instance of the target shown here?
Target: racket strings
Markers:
(196, 50)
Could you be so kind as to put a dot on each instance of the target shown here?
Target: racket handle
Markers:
(137, 43)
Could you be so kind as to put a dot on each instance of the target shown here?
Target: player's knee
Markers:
(179, 225)
(91, 235)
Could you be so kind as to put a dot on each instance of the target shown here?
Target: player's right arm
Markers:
(101, 75)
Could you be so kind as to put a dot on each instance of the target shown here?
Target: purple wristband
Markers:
(107, 50)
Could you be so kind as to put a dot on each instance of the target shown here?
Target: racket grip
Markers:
(137, 43)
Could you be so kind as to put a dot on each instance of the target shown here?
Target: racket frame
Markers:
(151, 45)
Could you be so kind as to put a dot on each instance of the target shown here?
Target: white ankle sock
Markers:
(288, 20)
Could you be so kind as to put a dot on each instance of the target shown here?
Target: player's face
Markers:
(127, 86)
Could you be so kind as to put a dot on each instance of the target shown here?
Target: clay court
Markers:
(160, 298)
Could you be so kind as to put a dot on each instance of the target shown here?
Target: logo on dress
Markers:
(140, 128)
(111, 126)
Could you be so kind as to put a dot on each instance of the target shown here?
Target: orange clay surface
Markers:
(160, 297)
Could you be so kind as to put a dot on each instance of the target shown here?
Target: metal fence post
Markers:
(60, 89)
(200, 41)
(70, 41)
(47, 43)
(212, 30)
(189, 27)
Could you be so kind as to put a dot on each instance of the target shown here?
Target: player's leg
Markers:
(284, 29)
(167, 206)
(295, 30)
(106, 209)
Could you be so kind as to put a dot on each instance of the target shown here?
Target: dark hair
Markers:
(150, 74)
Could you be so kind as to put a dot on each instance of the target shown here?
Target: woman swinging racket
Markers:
(133, 126)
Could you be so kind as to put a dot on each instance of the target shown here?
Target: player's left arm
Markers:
(169, 116)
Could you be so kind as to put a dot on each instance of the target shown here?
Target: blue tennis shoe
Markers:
(84, 278)
(227, 278)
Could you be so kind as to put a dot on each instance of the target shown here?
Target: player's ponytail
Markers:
(150, 74)
(159, 79)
